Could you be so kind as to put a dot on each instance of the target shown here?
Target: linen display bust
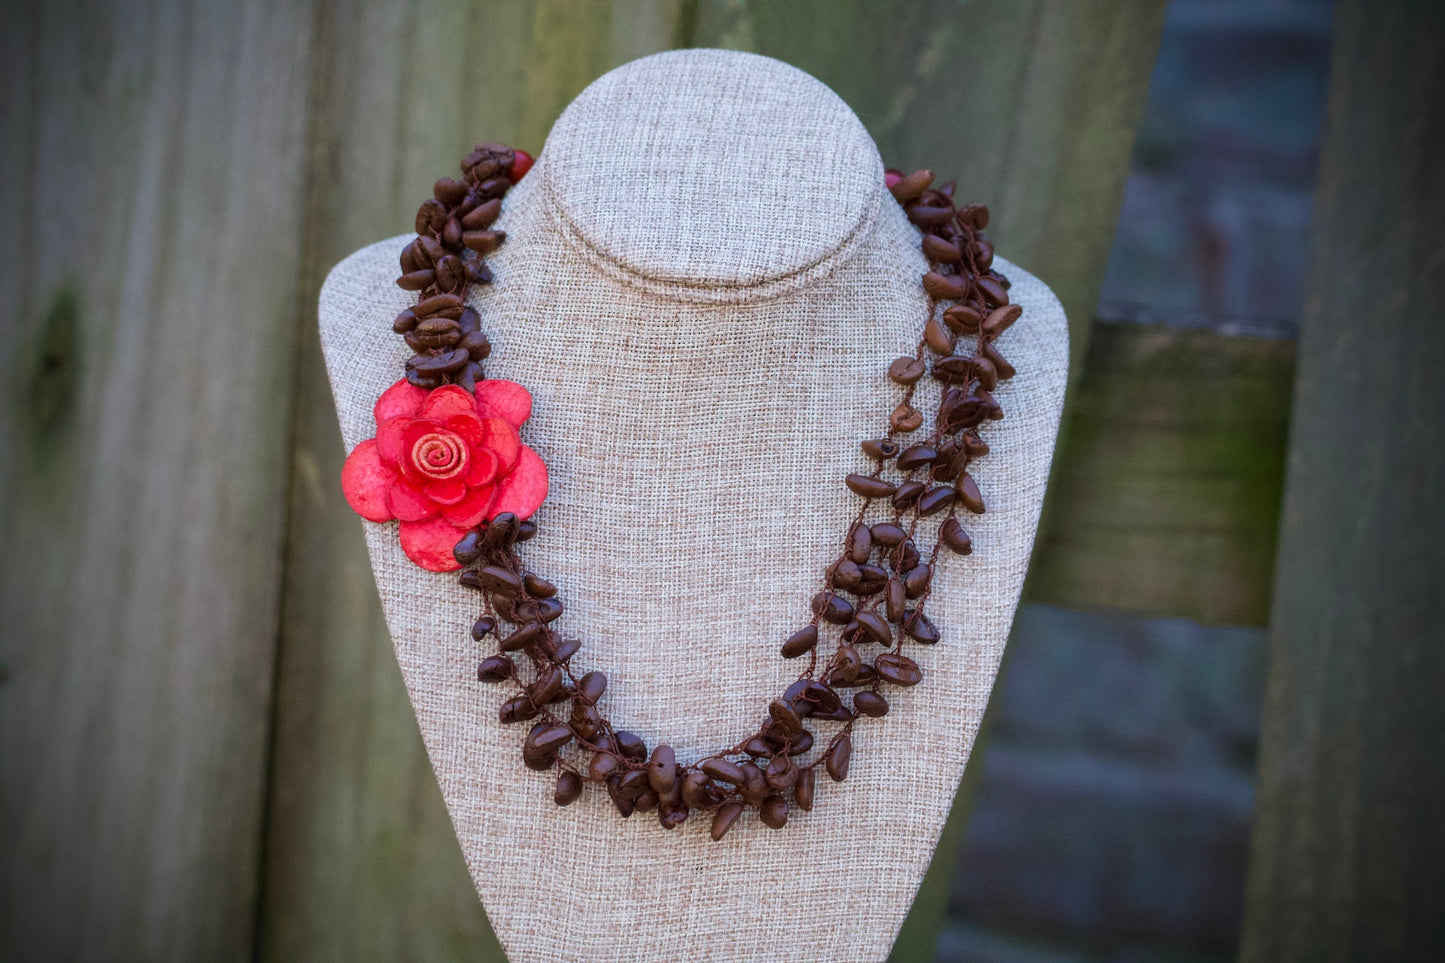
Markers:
(703, 283)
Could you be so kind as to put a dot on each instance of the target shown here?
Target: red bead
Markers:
(521, 163)
(891, 176)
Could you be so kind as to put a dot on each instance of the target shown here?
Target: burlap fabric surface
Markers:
(703, 282)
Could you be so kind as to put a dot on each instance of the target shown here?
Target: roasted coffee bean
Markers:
(529, 634)
(906, 370)
(995, 410)
(452, 234)
(518, 709)
(409, 261)
(975, 446)
(876, 627)
(916, 581)
(438, 332)
(757, 746)
(501, 532)
(494, 187)
(916, 456)
(441, 364)
(404, 322)
(898, 669)
(722, 769)
(495, 668)
(999, 319)
(503, 604)
(543, 610)
(477, 270)
(724, 819)
(846, 574)
(963, 319)
(986, 373)
(626, 805)
(880, 449)
(547, 737)
(960, 411)
(937, 249)
(633, 783)
(569, 787)
(547, 686)
(565, 649)
(905, 418)
(782, 772)
(476, 345)
(832, 607)
(447, 306)
(847, 662)
(537, 760)
(603, 765)
(586, 721)
(449, 190)
(969, 494)
(481, 217)
(928, 216)
(591, 686)
(886, 533)
(428, 214)
(935, 500)
(954, 369)
(467, 378)
(537, 586)
(482, 626)
(483, 242)
(860, 543)
(871, 581)
(646, 801)
(870, 704)
(974, 216)
(697, 792)
(662, 769)
(911, 186)
(672, 815)
(785, 715)
(907, 494)
(499, 579)
(938, 337)
(982, 251)
(800, 642)
(755, 785)
(800, 743)
(920, 628)
(468, 548)
(630, 744)
(955, 537)
(895, 600)
(430, 250)
(993, 293)
(774, 811)
(526, 530)
(451, 274)
(946, 287)
(804, 790)
(417, 280)
(1004, 369)
(869, 487)
(839, 754)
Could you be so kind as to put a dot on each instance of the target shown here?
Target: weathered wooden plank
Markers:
(1030, 104)
(361, 859)
(1167, 483)
(1348, 857)
(147, 287)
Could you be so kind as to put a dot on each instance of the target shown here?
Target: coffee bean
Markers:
(603, 765)
(499, 579)
(483, 242)
(871, 580)
(526, 529)
(916, 456)
(898, 669)
(935, 500)
(915, 583)
(876, 627)
(955, 537)
(482, 626)
(800, 642)
(417, 280)
(547, 686)
(427, 214)
(785, 715)
(832, 607)
(566, 649)
(911, 186)
(723, 820)
(974, 216)
(529, 634)
(846, 574)
(626, 805)
(946, 287)
(937, 249)
(482, 216)
(839, 754)
(547, 737)
(646, 801)
(672, 815)
(880, 448)
(449, 190)
(905, 370)
(569, 787)
(928, 216)
(495, 668)
(518, 709)
(905, 418)
(870, 704)
(860, 543)
(986, 373)
(717, 768)
(895, 600)
(993, 293)
(441, 364)
(919, 628)
(963, 319)
(804, 789)
(969, 494)
(939, 339)
(630, 744)
(404, 322)
(999, 319)
(869, 487)
(1004, 369)
(781, 772)
(886, 533)
(774, 811)
(757, 746)
(847, 662)
(662, 769)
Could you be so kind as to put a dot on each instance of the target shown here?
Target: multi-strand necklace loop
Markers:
(467, 469)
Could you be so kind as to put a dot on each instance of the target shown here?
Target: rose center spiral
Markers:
(440, 455)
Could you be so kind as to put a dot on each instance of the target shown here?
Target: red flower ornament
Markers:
(444, 461)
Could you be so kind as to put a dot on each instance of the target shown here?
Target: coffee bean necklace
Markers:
(447, 462)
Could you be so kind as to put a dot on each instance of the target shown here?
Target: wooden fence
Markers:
(207, 749)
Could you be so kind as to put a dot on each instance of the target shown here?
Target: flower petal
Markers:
(484, 468)
(391, 441)
(408, 502)
(468, 427)
(365, 480)
(401, 399)
(447, 492)
(430, 543)
(504, 399)
(524, 489)
(446, 402)
(500, 438)
(472, 509)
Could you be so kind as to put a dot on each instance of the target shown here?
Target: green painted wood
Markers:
(1167, 482)
(361, 860)
(153, 166)
(1029, 104)
(1348, 857)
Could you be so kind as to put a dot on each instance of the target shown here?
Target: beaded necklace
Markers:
(448, 463)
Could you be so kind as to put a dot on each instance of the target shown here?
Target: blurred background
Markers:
(1217, 730)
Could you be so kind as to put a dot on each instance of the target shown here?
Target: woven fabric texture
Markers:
(706, 347)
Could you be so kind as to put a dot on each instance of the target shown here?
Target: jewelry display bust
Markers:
(703, 283)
